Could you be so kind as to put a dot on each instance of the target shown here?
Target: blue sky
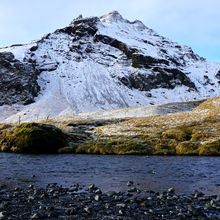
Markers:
(194, 23)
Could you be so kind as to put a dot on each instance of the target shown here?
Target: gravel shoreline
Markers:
(75, 202)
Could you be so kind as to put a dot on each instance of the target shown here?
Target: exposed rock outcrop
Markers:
(18, 81)
(139, 60)
(116, 44)
(81, 27)
(161, 78)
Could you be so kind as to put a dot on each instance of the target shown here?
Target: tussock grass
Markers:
(179, 133)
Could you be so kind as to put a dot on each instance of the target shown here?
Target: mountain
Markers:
(100, 63)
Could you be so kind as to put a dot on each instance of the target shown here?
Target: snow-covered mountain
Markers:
(100, 63)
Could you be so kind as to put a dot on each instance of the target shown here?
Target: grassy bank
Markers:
(190, 133)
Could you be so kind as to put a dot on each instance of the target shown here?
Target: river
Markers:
(111, 172)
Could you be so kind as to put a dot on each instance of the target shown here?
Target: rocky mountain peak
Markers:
(102, 63)
(113, 16)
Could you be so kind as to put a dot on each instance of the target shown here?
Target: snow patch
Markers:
(19, 51)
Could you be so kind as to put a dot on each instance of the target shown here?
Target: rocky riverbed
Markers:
(76, 202)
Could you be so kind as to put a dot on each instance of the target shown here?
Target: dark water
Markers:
(156, 173)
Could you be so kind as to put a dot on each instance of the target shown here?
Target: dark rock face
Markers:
(115, 43)
(162, 78)
(218, 75)
(139, 60)
(81, 27)
(18, 81)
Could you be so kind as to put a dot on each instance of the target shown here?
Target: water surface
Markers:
(156, 173)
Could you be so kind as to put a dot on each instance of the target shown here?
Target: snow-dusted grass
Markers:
(208, 109)
(195, 133)
(186, 133)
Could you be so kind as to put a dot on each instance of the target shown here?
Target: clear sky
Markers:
(194, 23)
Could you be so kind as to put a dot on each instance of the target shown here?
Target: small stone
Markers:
(30, 186)
(36, 216)
(3, 205)
(42, 207)
(138, 191)
(129, 183)
(1, 215)
(51, 191)
(212, 203)
(215, 204)
(97, 198)
(121, 205)
(143, 204)
(92, 186)
(181, 216)
(120, 212)
(198, 194)
(132, 190)
(107, 205)
(51, 185)
(110, 193)
(171, 190)
(30, 198)
(171, 212)
(175, 197)
(87, 209)
(44, 195)
(55, 196)
(98, 191)
(160, 196)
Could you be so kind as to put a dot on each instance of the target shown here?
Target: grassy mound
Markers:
(32, 138)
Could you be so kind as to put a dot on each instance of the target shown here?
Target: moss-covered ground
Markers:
(31, 138)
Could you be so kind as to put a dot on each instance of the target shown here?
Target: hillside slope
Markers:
(100, 64)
